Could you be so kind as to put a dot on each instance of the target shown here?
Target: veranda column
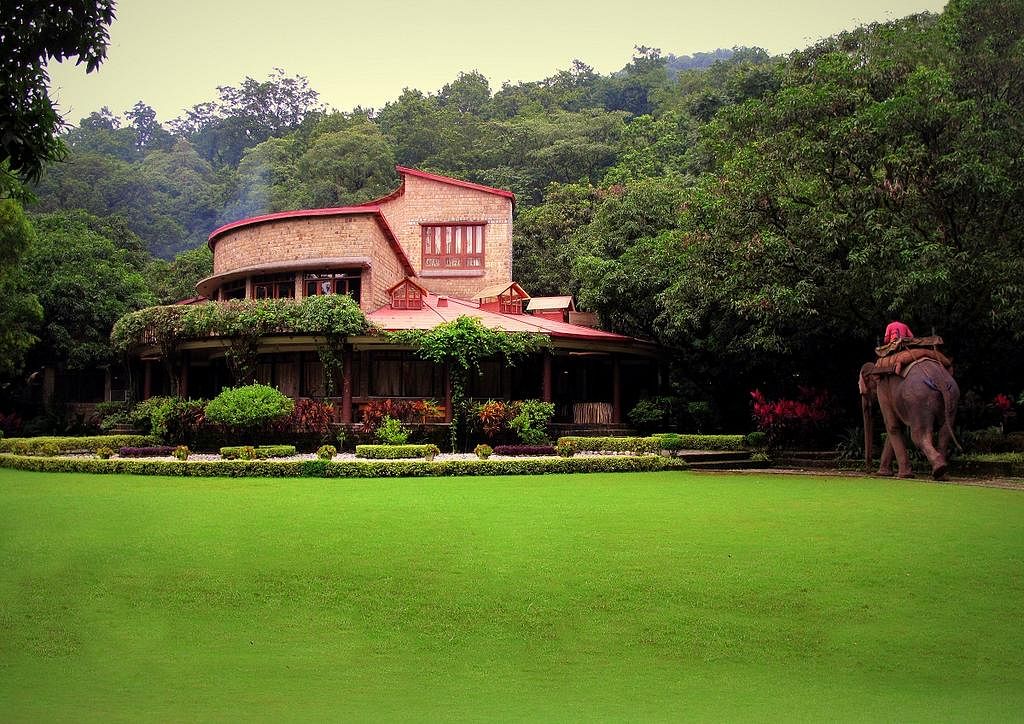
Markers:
(545, 393)
(447, 394)
(183, 380)
(346, 384)
(147, 380)
(616, 391)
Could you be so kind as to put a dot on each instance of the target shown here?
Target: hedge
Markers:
(635, 445)
(672, 441)
(156, 451)
(260, 452)
(394, 452)
(524, 450)
(37, 445)
(348, 469)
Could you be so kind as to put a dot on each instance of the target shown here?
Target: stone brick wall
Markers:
(427, 201)
(297, 238)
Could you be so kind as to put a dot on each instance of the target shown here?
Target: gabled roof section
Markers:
(496, 290)
(404, 171)
(405, 281)
(545, 304)
(367, 210)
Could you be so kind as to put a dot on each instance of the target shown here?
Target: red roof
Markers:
(404, 171)
(431, 315)
(307, 213)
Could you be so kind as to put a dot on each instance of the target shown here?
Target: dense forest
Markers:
(760, 217)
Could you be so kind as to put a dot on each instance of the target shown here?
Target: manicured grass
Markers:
(648, 596)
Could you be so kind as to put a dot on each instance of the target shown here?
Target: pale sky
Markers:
(173, 54)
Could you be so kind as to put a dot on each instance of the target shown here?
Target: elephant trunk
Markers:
(869, 421)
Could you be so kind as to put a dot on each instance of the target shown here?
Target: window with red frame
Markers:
(453, 246)
(406, 296)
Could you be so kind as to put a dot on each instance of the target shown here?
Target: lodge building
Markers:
(435, 249)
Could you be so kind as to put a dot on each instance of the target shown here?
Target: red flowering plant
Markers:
(375, 411)
(427, 411)
(792, 422)
(1004, 407)
(311, 416)
(494, 417)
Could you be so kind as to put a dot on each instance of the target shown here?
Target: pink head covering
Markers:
(897, 330)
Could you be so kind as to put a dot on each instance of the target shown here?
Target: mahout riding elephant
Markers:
(924, 398)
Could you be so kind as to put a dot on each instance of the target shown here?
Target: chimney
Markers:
(442, 301)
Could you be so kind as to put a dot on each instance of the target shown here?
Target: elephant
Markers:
(924, 398)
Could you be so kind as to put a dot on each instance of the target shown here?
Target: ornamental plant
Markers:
(249, 408)
(326, 452)
(787, 422)
(392, 432)
(531, 421)
(494, 417)
(104, 453)
(181, 452)
(483, 451)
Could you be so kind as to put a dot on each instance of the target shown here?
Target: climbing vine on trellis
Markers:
(241, 324)
(461, 345)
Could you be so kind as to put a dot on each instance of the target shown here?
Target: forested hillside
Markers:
(761, 217)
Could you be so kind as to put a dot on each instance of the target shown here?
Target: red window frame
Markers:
(406, 296)
(453, 246)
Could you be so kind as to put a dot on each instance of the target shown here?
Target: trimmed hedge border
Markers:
(394, 452)
(156, 451)
(524, 450)
(635, 445)
(260, 452)
(673, 441)
(36, 445)
(331, 469)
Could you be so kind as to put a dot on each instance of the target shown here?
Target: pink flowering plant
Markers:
(797, 421)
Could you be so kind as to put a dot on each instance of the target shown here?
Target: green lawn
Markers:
(649, 596)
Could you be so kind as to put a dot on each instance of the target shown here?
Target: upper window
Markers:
(337, 282)
(233, 290)
(453, 246)
(279, 286)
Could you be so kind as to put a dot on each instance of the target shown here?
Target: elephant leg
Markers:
(922, 437)
(899, 447)
(885, 464)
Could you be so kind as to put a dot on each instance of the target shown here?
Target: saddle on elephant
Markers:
(899, 355)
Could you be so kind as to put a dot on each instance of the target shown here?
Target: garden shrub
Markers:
(261, 452)
(326, 452)
(10, 424)
(566, 448)
(392, 432)
(531, 421)
(524, 450)
(375, 411)
(307, 416)
(393, 452)
(483, 451)
(757, 439)
(635, 445)
(154, 451)
(249, 408)
(792, 422)
(494, 417)
(104, 453)
(181, 452)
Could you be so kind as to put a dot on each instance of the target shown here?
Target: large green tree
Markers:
(87, 273)
(33, 32)
(20, 311)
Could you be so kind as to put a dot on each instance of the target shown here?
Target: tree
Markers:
(172, 281)
(20, 312)
(87, 273)
(33, 32)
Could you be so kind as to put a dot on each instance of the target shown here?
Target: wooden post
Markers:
(616, 391)
(447, 394)
(346, 384)
(147, 380)
(546, 380)
(183, 381)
